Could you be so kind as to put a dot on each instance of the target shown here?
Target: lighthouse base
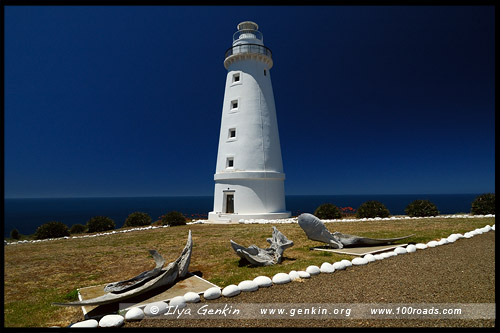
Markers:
(253, 195)
(235, 218)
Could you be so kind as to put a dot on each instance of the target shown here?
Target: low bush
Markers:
(137, 219)
(77, 229)
(173, 218)
(328, 211)
(483, 204)
(421, 208)
(53, 229)
(14, 234)
(371, 209)
(100, 223)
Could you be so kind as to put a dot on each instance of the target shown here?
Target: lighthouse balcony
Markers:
(248, 51)
(248, 48)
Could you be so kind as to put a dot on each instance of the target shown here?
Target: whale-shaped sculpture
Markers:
(316, 230)
(144, 282)
(264, 257)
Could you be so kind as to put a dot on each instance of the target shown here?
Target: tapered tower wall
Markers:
(249, 178)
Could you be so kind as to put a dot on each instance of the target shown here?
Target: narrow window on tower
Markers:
(265, 72)
(234, 105)
(231, 134)
(236, 78)
(230, 162)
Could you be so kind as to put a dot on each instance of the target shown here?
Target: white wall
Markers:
(256, 177)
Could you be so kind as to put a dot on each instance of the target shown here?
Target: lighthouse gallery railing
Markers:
(248, 48)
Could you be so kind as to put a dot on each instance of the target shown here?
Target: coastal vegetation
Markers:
(371, 209)
(14, 234)
(77, 229)
(137, 219)
(173, 218)
(53, 229)
(100, 223)
(484, 204)
(328, 211)
(421, 208)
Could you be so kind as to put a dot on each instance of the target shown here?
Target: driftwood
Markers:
(316, 230)
(264, 257)
(145, 281)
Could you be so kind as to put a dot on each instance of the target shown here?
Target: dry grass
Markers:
(38, 274)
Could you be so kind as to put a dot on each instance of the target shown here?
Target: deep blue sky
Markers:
(127, 101)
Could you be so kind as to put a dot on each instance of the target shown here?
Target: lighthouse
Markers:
(249, 177)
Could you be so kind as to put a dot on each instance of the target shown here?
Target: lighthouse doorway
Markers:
(229, 203)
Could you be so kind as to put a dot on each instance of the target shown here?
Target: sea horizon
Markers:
(28, 213)
(211, 195)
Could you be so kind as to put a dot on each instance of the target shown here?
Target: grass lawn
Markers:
(36, 275)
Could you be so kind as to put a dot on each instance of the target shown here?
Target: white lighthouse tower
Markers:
(249, 178)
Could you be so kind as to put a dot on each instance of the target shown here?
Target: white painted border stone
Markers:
(421, 246)
(411, 248)
(304, 275)
(155, 308)
(281, 278)
(432, 243)
(212, 293)
(134, 313)
(313, 270)
(248, 285)
(111, 320)
(370, 257)
(346, 262)
(231, 290)
(263, 281)
(178, 301)
(90, 323)
(326, 268)
(400, 250)
(359, 261)
(294, 275)
(339, 265)
(192, 297)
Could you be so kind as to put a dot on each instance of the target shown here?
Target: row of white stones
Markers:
(251, 221)
(179, 302)
(114, 232)
(392, 218)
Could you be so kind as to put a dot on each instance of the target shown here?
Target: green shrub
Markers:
(137, 219)
(14, 234)
(77, 229)
(100, 223)
(483, 204)
(53, 229)
(173, 218)
(421, 208)
(328, 211)
(372, 209)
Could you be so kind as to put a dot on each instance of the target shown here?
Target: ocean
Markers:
(27, 214)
